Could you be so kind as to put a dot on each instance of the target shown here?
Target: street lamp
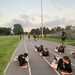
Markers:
(42, 18)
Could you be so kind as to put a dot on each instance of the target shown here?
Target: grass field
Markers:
(7, 46)
(68, 41)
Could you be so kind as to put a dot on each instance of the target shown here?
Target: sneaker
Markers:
(71, 52)
(35, 47)
(57, 47)
(55, 57)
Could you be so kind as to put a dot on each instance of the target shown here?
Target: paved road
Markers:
(37, 65)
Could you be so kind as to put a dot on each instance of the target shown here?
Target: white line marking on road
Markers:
(49, 64)
(28, 62)
(10, 60)
(67, 48)
(47, 61)
(55, 53)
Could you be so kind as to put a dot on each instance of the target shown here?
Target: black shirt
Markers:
(40, 49)
(44, 53)
(21, 60)
(34, 35)
(64, 67)
(63, 34)
(61, 49)
(28, 35)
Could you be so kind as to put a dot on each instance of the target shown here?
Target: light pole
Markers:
(42, 18)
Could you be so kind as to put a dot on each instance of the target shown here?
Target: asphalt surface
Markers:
(38, 65)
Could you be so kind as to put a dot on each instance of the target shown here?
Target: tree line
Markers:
(5, 31)
(57, 29)
(46, 30)
(38, 30)
(18, 29)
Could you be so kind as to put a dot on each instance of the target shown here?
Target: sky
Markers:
(28, 13)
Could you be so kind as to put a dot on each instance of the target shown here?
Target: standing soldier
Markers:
(23, 36)
(20, 37)
(34, 36)
(63, 38)
(45, 35)
(37, 35)
(29, 36)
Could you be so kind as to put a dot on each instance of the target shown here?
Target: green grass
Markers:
(7, 46)
(73, 44)
(68, 41)
(51, 39)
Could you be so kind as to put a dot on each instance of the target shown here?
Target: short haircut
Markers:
(25, 54)
(46, 49)
(66, 58)
(61, 46)
(41, 46)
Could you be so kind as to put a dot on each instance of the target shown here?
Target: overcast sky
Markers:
(27, 12)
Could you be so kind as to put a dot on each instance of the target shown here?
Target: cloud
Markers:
(33, 21)
(32, 18)
(59, 22)
(16, 21)
(25, 17)
(26, 21)
(1, 15)
(54, 3)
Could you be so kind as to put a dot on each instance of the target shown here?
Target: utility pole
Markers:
(42, 18)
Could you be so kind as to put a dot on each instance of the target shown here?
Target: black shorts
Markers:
(35, 37)
(21, 64)
(60, 65)
(38, 49)
(29, 37)
(61, 51)
(63, 39)
(45, 54)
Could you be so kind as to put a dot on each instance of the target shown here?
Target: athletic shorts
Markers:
(45, 54)
(22, 62)
(63, 39)
(61, 51)
(60, 65)
(34, 37)
(29, 37)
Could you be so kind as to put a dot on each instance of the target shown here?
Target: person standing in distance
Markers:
(34, 36)
(29, 36)
(63, 38)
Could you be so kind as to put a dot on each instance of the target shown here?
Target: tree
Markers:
(55, 29)
(68, 27)
(26, 33)
(58, 29)
(5, 31)
(1, 31)
(39, 30)
(33, 31)
(18, 29)
(46, 30)
(52, 31)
